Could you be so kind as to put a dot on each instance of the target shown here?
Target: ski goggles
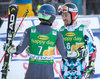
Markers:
(66, 9)
(42, 16)
(45, 14)
(63, 8)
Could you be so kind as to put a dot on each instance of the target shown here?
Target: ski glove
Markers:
(10, 49)
(90, 70)
(72, 54)
(80, 52)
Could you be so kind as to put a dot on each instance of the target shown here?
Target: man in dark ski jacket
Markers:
(41, 40)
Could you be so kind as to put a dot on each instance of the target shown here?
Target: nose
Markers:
(64, 18)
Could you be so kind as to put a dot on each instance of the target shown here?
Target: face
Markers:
(66, 18)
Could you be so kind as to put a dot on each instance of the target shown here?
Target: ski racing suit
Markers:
(41, 40)
(75, 37)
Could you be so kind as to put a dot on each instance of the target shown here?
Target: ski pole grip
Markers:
(26, 13)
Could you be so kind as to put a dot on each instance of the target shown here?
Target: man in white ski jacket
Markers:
(79, 43)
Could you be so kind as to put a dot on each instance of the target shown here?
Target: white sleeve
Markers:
(89, 39)
(89, 33)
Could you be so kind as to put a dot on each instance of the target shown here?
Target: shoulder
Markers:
(27, 30)
(59, 35)
(88, 32)
(80, 27)
(85, 28)
(62, 28)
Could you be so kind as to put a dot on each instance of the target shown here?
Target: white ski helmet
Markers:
(70, 8)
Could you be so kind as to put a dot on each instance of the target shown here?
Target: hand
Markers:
(90, 71)
(82, 52)
(9, 49)
(72, 54)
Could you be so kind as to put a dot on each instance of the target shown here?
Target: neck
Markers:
(45, 22)
(73, 24)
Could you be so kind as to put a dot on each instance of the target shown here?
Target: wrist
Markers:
(11, 49)
(91, 63)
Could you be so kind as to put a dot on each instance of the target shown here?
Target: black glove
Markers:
(90, 70)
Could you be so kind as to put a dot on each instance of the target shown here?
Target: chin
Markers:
(67, 24)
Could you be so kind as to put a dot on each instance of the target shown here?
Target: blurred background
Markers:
(86, 7)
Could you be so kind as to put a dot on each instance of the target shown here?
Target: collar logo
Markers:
(43, 37)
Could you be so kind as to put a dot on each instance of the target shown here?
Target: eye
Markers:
(63, 14)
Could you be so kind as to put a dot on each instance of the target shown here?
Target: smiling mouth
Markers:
(65, 20)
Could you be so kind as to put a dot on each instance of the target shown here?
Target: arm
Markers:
(88, 36)
(89, 39)
(22, 45)
(60, 45)
(24, 42)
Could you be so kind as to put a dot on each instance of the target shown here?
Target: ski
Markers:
(25, 14)
(12, 15)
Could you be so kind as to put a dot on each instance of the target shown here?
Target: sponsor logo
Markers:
(81, 29)
(43, 37)
(33, 30)
(54, 33)
(13, 9)
(36, 57)
(70, 34)
(11, 27)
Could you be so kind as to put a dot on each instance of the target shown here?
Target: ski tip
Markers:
(13, 5)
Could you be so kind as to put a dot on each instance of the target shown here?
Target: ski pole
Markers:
(59, 72)
(2, 57)
(25, 14)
